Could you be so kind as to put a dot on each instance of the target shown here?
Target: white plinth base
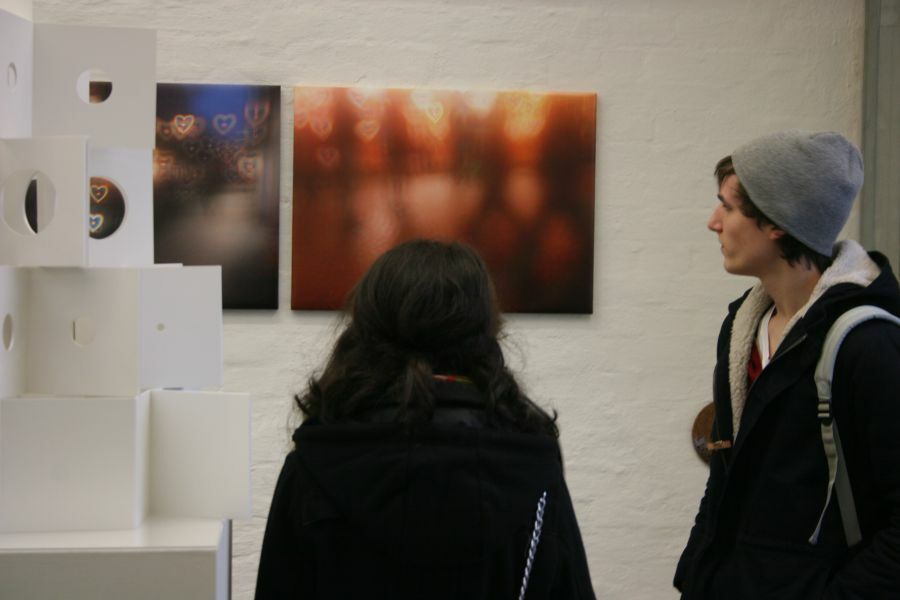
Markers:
(164, 558)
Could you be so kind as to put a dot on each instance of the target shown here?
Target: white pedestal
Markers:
(175, 559)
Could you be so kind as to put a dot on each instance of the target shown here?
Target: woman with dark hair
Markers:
(421, 470)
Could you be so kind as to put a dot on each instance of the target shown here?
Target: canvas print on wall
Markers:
(216, 185)
(510, 173)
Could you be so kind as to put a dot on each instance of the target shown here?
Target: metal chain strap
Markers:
(535, 539)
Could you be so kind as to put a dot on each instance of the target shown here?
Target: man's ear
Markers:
(775, 233)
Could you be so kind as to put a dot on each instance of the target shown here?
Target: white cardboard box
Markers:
(62, 236)
(16, 73)
(180, 327)
(114, 332)
(20, 8)
(76, 463)
(200, 454)
(73, 463)
(131, 245)
(12, 328)
(64, 54)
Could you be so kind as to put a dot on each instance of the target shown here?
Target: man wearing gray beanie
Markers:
(767, 526)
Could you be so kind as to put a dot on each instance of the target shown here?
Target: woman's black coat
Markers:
(370, 511)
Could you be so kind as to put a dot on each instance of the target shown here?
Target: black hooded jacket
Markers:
(371, 511)
(765, 494)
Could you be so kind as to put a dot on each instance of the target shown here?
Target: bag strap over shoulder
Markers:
(838, 479)
(533, 544)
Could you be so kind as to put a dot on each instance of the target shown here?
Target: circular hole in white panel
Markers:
(160, 327)
(28, 202)
(12, 75)
(83, 331)
(8, 332)
(94, 86)
(107, 208)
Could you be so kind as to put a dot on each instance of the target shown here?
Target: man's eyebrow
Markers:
(719, 196)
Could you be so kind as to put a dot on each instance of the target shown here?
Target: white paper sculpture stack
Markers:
(110, 486)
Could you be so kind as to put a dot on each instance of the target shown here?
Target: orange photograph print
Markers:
(509, 173)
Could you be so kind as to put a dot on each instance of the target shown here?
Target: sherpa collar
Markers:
(851, 265)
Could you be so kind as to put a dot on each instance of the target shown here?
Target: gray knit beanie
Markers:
(803, 182)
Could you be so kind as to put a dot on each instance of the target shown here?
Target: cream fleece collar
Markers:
(851, 265)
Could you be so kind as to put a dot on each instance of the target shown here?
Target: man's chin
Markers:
(731, 268)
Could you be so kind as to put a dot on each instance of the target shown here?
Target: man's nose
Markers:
(714, 223)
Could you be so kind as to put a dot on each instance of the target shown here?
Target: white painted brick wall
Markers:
(681, 83)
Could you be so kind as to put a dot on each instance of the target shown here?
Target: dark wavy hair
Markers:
(423, 308)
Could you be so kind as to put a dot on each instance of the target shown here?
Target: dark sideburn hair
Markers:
(792, 249)
(423, 308)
